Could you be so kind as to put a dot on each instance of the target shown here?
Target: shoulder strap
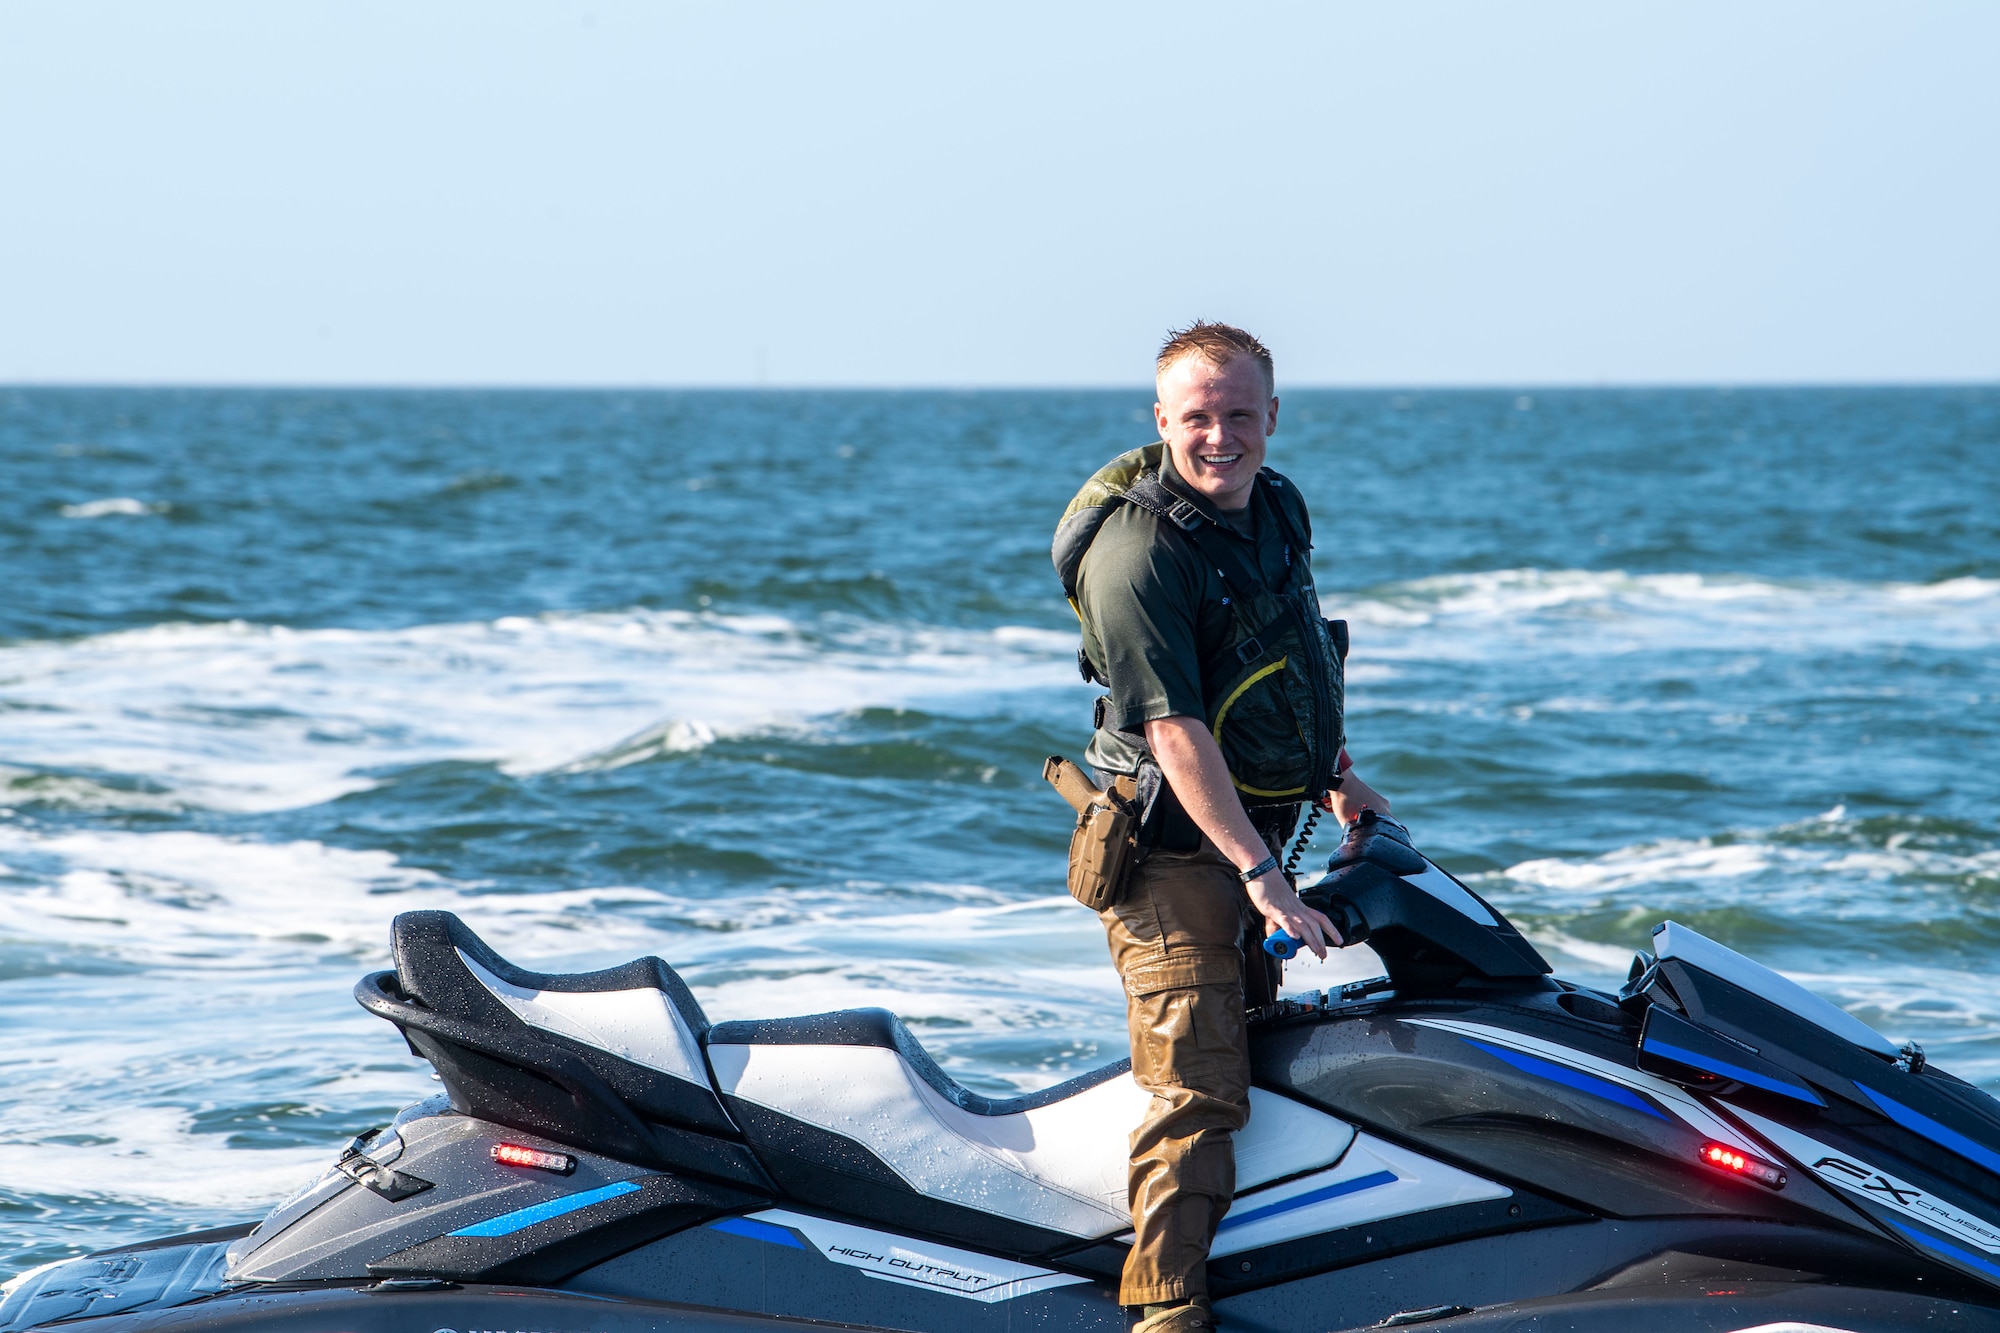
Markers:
(1151, 495)
(1284, 496)
(1225, 554)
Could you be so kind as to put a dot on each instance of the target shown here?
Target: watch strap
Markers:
(1263, 867)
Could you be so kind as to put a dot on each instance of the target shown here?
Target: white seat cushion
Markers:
(1061, 1166)
(637, 1025)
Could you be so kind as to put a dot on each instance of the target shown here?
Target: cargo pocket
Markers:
(1185, 968)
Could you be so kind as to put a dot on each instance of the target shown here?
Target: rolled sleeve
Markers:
(1141, 601)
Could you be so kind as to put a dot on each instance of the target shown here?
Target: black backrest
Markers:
(426, 946)
(539, 1077)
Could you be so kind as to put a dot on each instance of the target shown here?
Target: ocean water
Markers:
(761, 683)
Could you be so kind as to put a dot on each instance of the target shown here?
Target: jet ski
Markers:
(1464, 1143)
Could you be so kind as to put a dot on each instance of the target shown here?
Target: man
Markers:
(1199, 615)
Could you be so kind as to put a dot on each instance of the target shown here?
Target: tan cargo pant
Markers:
(1174, 939)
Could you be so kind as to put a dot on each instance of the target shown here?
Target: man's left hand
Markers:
(1345, 804)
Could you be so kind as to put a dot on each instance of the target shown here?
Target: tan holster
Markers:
(1106, 841)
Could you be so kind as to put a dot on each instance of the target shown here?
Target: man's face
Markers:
(1215, 419)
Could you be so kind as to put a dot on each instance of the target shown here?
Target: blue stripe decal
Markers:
(1946, 1248)
(1696, 1060)
(755, 1230)
(508, 1223)
(1942, 1135)
(1569, 1078)
(1354, 1186)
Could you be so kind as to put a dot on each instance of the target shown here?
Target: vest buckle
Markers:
(1249, 651)
(1184, 516)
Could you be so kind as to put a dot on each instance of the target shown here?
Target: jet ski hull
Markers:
(1464, 1144)
(1637, 1279)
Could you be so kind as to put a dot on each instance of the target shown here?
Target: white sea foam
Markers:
(184, 900)
(187, 899)
(118, 1104)
(1677, 860)
(152, 1157)
(1594, 957)
(1819, 870)
(181, 901)
(1596, 612)
(115, 505)
(1305, 973)
(250, 717)
(247, 717)
(1708, 862)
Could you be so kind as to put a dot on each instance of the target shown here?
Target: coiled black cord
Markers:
(1299, 844)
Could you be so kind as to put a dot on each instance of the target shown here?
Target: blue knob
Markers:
(1281, 945)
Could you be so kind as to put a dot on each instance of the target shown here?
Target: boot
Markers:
(1191, 1317)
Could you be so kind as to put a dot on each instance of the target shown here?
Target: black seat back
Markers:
(548, 1075)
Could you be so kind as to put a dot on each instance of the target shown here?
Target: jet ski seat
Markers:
(845, 1110)
(610, 1060)
(810, 1091)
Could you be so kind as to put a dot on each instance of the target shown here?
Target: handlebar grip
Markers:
(1282, 945)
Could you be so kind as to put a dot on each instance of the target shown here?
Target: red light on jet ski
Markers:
(1725, 1158)
(515, 1154)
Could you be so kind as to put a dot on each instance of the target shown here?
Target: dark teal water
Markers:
(762, 682)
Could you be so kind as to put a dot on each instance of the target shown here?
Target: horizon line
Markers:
(807, 386)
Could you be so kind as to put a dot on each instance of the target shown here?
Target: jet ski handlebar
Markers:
(1431, 931)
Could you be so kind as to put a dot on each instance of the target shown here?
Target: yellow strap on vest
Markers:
(1215, 727)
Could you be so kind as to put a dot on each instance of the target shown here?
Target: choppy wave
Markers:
(1893, 918)
(180, 902)
(183, 901)
(1901, 872)
(152, 1155)
(247, 717)
(1609, 611)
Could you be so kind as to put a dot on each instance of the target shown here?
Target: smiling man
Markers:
(1187, 563)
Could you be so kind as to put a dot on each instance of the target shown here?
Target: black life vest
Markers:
(1274, 692)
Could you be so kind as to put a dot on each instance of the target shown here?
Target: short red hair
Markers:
(1217, 344)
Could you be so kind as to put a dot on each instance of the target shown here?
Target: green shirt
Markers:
(1152, 609)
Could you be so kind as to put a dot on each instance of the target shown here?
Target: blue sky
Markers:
(879, 194)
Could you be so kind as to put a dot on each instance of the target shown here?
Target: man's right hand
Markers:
(1194, 768)
(1278, 903)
